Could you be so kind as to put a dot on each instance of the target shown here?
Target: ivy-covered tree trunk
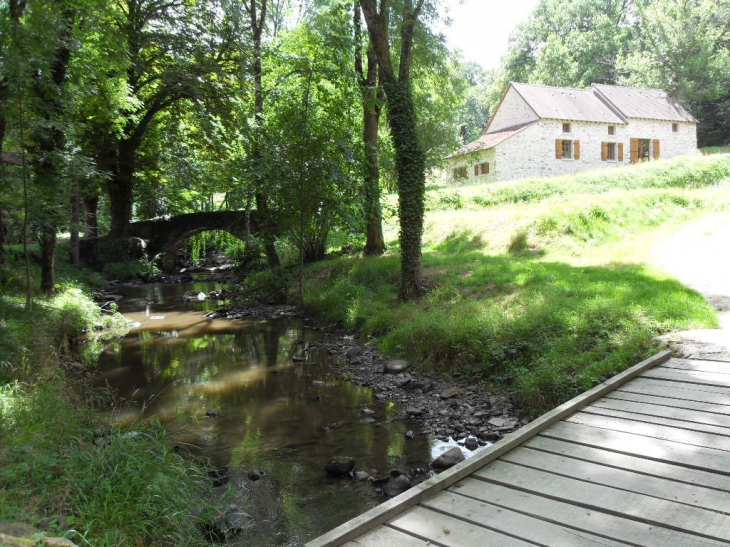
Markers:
(409, 153)
(410, 164)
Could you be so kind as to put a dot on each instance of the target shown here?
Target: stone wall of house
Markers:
(513, 110)
(461, 170)
(531, 152)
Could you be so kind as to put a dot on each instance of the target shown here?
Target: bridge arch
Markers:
(164, 236)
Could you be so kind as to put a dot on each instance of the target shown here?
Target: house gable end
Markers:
(513, 110)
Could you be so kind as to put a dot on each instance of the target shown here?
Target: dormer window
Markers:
(566, 128)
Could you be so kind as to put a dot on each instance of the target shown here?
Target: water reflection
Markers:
(283, 417)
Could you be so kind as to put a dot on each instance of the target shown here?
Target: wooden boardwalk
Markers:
(642, 460)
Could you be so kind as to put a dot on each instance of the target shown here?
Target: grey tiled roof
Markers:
(565, 103)
(644, 103)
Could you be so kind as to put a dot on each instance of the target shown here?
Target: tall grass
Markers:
(62, 469)
(98, 486)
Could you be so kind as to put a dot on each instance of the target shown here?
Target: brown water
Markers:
(283, 417)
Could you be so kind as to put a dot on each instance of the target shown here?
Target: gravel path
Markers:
(699, 256)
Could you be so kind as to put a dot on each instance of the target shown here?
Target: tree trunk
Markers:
(371, 101)
(91, 220)
(49, 140)
(121, 193)
(375, 242)
(47, 240)
(75, 221)
(410, 158)
(257, 14)
(410, 164)
(267, 231)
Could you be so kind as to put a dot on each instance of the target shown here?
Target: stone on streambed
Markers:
(398, 485)
(340, 466)
(255, 475)
(448, 459)
(396, 366)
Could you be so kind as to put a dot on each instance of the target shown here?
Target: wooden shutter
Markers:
(620, 151)
(634, 150)
(476, 170)
(486, 165)
(558, 149)
(576, 150)
(655, 148)
(604, 151)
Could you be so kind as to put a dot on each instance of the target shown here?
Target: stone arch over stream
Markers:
(164, 236)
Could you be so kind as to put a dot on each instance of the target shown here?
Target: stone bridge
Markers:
(164, 236)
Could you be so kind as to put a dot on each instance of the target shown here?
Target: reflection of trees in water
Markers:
(270, 416)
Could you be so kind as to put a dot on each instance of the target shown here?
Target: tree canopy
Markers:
(140, 108)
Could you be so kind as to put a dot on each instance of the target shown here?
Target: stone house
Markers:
(541, 131)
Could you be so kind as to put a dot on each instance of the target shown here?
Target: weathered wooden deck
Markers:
(642, 460)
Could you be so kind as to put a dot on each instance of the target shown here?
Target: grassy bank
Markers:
(543, 287)
(64, 471)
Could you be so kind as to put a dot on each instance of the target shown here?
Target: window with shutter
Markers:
(611, 151)
(485, 168)
(620, 151)
(604, 151)
(558, 149)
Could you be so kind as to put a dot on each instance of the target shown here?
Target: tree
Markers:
(159, 54)
(683, 47)
(372, 99)
(410, 157)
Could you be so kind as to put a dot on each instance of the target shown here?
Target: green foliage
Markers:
(124, 271)
(675, 45)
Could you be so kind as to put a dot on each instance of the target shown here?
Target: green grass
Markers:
(545, 288)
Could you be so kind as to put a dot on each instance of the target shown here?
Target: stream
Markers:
(228, 391)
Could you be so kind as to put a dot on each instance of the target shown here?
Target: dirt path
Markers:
(699, 256)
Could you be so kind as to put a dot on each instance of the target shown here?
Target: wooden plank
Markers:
(446, 530)
(383, 536)
(622, 479)
(721, 367)
(632, 532)
(689, 376)
(688, 417)
(653, 430)
(711, 408)
(694, 457)
(645, 466)
(523, 526)
(668, 514)
(662, 388)
(393, 507)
